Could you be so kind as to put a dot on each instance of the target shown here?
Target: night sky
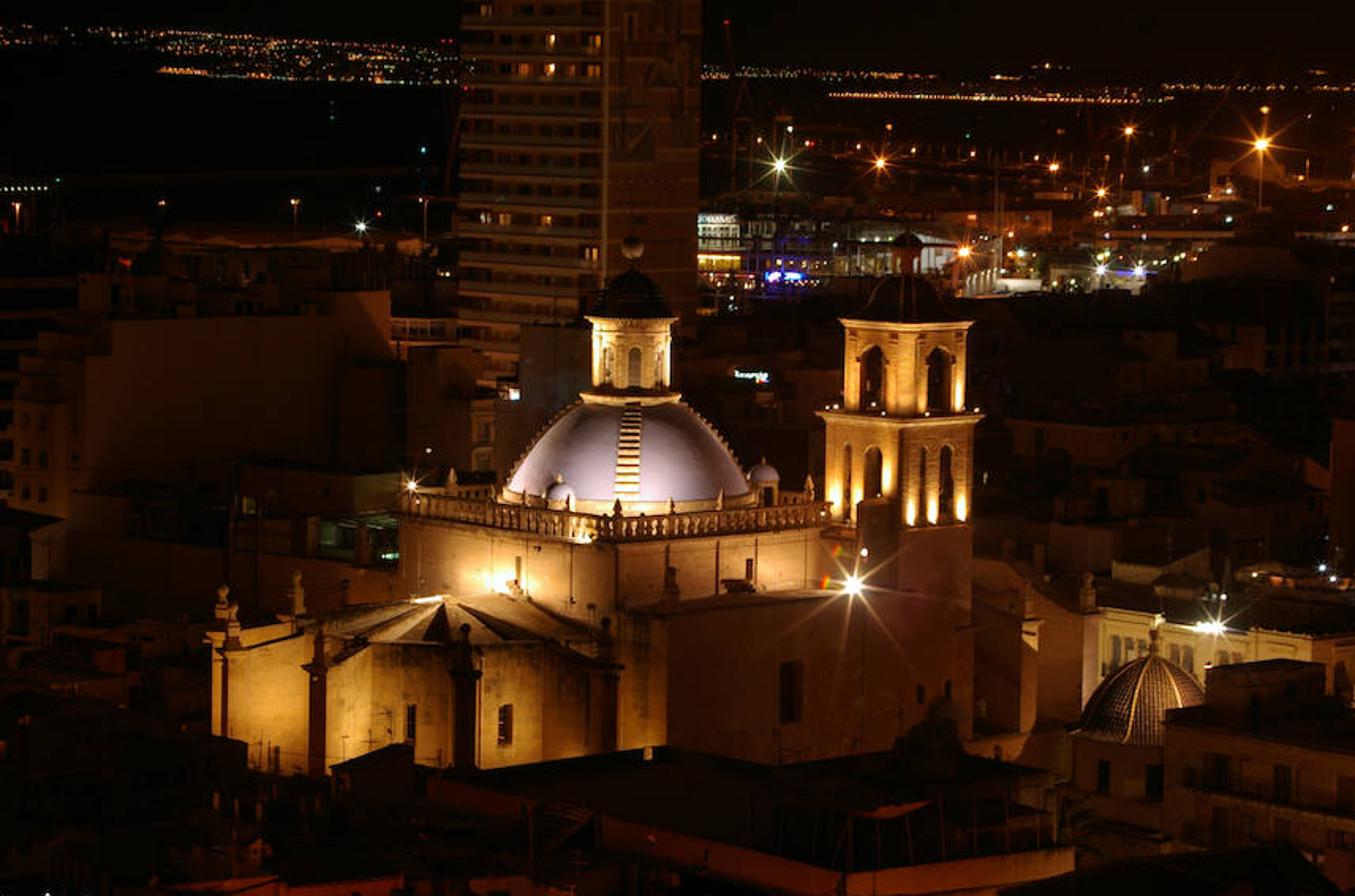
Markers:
(1144, 39)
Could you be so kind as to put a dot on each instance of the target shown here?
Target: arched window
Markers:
(847, 482)
(872, 391)
(938, 381)
(660, 375)
(922, 477)
(946, 512)
(633, 360)
(607, 361)
(873, 472)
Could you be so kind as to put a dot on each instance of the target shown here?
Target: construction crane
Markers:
(740, 112)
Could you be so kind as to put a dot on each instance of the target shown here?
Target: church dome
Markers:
(1130, 706)
(560, 491)
(650, 456)
(764, 473)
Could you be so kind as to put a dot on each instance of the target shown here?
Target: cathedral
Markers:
(630, 585)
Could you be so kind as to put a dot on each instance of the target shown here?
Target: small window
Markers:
(748, 569)
(411, 722)
(1103, 776)
(790, 697)
(1284, 784)
(505, 724)
(1152, 782)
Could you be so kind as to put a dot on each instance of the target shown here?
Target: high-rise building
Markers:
(580, 126)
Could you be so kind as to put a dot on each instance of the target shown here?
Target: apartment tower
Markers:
(580, 127)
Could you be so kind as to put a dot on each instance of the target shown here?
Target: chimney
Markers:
(1086, 594)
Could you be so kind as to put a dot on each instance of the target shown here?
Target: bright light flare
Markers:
(412, 485)
(1101, 192)
(1261, 144)
(1129, 130)
(965, 251)
(779, 165)
(360, 227)
(853, 585)
(1210, 627)
(1101, 270)
(881, 163)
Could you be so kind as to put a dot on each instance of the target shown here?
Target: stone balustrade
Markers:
(587, 527)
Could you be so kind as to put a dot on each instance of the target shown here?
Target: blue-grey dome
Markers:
(598, 447)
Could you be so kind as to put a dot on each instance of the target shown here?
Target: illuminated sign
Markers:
(783, 276)
(761, 377)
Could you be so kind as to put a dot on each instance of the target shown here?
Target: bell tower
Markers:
(902, 434)
(898, 454)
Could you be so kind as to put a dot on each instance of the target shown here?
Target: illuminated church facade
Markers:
(630, 585)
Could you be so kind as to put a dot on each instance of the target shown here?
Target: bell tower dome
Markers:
(632, 332)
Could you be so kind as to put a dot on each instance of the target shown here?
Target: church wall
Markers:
(642, 650)
(348, 709)
(782, 561)
(726, 672)
(934, 564)
(464, 560)
(468, 560)
(557, 705)
(267, 701)
(417, 675)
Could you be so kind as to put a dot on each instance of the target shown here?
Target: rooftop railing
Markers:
(587, 527)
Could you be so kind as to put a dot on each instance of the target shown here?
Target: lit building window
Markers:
(411, 722)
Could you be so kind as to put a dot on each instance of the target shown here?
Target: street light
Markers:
(423, 200)
(965, 251)
(880, 163)
(1260, 144)
(360, 227)
(853, 586)
(295, 203)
